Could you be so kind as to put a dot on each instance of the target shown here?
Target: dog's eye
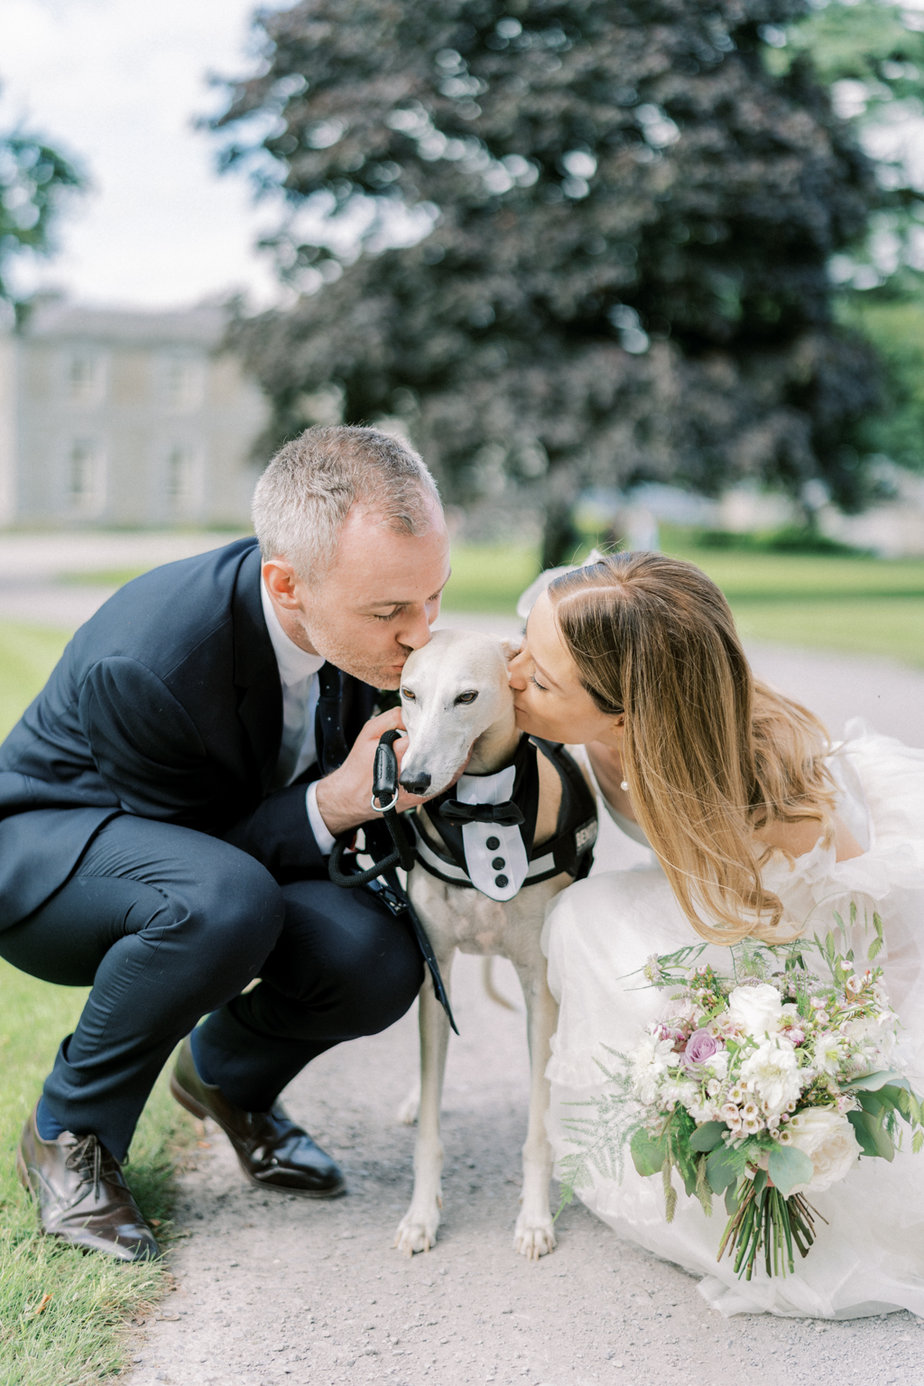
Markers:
(408, 695)
(468, 697)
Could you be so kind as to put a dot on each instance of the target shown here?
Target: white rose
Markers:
(649, 1065)
(757, 1010)
(828, 1140)
(718, 1064)
(773, 1070)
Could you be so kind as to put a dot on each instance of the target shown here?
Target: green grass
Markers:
(63, 1313)
(853, 603)
(857, 604)
(489, 577)
(849, 602)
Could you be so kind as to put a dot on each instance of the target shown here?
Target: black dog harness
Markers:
(480, 836)
(485, 826)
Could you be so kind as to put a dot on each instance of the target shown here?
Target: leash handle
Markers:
(384, 798)
(382, 876)
(385, 773)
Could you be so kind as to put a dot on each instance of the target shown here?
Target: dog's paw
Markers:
(407, 1112)
(534, 1238)
(416, 1232)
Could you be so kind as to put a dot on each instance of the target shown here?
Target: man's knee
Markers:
(346, 955)
(236, 914)
(376, 972)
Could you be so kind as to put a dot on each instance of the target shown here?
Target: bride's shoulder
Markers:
(798, 838)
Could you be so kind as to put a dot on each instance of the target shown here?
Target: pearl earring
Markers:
(624, 786)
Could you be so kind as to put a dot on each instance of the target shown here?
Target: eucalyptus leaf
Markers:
(647, 1152)
(722, 1169)
(873, 1138)
(788, 1167)
(872, 1082)
(708, 1136)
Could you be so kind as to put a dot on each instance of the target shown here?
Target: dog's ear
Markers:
(512, 647)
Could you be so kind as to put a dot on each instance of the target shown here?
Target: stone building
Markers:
(124, 417)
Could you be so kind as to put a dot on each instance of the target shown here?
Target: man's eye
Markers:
(468, 697)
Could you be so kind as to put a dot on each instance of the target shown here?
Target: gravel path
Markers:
(270, 1289)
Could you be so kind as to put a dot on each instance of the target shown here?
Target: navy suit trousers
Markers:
(167, 925)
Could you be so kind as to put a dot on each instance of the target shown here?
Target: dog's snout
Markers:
(416, 784)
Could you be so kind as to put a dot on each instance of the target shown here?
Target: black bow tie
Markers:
(505, 815)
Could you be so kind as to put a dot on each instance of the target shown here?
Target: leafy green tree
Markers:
(894, 322)
(35, 180)
(870, 54)
(617, 218)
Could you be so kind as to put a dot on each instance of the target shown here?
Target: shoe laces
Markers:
(90, 1160)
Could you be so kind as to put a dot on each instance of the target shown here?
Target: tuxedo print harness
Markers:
(480, 832)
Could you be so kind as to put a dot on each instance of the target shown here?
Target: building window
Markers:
(85, 478)
(183, 378)
(85, 377)
(184, 480)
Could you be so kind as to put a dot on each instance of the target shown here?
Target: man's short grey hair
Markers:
(303, 498)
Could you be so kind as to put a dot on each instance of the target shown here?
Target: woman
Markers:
(757, 826)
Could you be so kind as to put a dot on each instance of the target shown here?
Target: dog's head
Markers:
(454, 694)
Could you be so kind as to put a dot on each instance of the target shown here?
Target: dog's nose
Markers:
(416, 784)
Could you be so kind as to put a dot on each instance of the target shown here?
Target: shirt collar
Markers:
(295, 664)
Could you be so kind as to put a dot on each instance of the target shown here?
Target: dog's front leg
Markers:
(417, 1229)
(534, 1234)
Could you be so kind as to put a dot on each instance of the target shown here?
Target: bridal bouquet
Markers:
(764, 1083)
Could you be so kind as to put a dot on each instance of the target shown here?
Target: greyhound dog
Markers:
(473, 857)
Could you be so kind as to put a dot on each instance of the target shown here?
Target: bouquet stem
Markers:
(766, 1221)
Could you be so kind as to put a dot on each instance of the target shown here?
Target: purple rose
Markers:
(700, 1046)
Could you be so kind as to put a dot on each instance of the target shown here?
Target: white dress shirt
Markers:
(298, 674)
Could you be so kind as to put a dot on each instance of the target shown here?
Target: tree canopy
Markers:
(35, 179)
(588, 239)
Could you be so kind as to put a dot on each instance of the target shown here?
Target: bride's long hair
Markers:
(710, 753)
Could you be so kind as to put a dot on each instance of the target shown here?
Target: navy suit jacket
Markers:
(166, 704)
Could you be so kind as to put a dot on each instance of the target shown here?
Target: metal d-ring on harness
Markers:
(382, 876)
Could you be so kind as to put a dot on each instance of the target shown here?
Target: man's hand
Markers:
(345, 795)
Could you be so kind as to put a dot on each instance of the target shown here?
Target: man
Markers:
(166, 807)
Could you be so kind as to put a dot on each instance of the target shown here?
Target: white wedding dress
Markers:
(869, 1258)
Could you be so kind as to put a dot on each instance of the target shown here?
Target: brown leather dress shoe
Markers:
(81, 1196)
(271, 1149)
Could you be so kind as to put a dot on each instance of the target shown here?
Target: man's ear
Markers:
(280, 580)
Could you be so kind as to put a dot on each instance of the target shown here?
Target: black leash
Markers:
(382, 876)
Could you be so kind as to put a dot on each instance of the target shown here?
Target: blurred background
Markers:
(643, 274)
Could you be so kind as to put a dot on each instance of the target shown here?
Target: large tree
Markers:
(617, 219)
(35, 180)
